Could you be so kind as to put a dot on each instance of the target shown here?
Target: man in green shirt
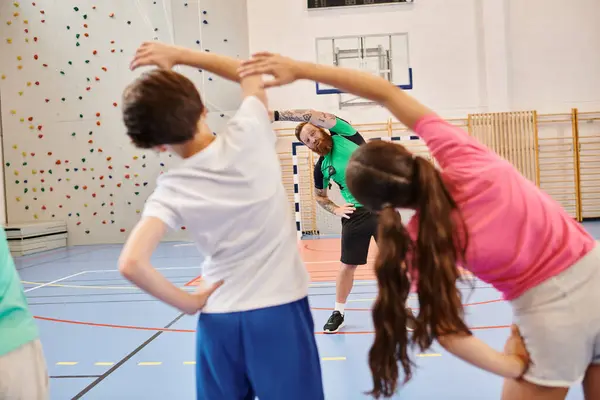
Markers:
(358, 224)
(23, 373)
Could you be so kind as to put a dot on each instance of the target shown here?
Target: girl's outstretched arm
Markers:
(285, 70)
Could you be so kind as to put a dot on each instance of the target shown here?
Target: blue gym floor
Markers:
(104, 339)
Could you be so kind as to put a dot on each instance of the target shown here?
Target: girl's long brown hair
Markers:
(384, 176)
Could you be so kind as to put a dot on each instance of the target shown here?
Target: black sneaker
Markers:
(410, 324)
(334, 323)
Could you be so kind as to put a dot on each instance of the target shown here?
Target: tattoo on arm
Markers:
(295, 115)
(321, 119)
(324, 201)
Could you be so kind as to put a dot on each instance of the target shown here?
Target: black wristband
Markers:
(276, 115)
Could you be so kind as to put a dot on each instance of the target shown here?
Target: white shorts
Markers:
(23, 373)
(560, 323)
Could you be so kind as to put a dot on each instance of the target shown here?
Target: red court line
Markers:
(194, 282)
(414, 308)
(142, 328)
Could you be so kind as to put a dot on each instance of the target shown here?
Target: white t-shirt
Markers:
(231, 198)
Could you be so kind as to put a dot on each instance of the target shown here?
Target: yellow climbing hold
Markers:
(19, 58)
(18, 199)
(9, 40)
(13, 112)
(3, 76)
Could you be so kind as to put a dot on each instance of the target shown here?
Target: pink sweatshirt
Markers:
(518, 235)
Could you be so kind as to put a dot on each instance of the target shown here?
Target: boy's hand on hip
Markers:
(197, 300)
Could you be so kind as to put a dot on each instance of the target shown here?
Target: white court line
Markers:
(99, 271)
(184, 245)
(56, 281)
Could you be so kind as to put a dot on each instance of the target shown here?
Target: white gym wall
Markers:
(468, 56)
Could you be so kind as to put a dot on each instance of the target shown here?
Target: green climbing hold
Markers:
(80, 115)
(8, 164)
(77, 36)
(88, 79)
(76, 8)
(73, 134)
(91, 150)
(91, 132)
(62, 72)
(17, 182)
(43, 189)
(63, 99)
(84, 16)
(68, 27)
(27, 207)
(76, 187)
(50, 171)
(70, 62)
(87, 62)
(26, 190)
(83, 160)
(77, 44)
(25, 164)
(77, 214)
(137, 193)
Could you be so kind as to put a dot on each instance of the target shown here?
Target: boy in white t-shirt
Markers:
(229, 193)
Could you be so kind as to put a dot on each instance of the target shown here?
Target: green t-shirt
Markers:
(17, 326)
(332, 167)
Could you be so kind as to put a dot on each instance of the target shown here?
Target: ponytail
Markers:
(389, 314)
(440, 248)
(435, 255)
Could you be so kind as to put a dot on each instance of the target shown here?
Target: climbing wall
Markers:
(63, 67)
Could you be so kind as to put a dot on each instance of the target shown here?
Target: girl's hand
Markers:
(516, 353)
(284, 70)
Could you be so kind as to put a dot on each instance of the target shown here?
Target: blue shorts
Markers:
(270, 353)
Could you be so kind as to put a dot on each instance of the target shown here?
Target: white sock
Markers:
(340, 307)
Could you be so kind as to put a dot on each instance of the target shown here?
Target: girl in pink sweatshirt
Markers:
(478, 213)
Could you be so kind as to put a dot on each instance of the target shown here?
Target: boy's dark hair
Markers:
(161, 107)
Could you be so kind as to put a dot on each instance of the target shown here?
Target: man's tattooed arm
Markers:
(321, 119)
(324, 201)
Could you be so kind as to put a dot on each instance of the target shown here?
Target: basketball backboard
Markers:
(383, 55)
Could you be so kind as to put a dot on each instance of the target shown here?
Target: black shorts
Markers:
(356, 236)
